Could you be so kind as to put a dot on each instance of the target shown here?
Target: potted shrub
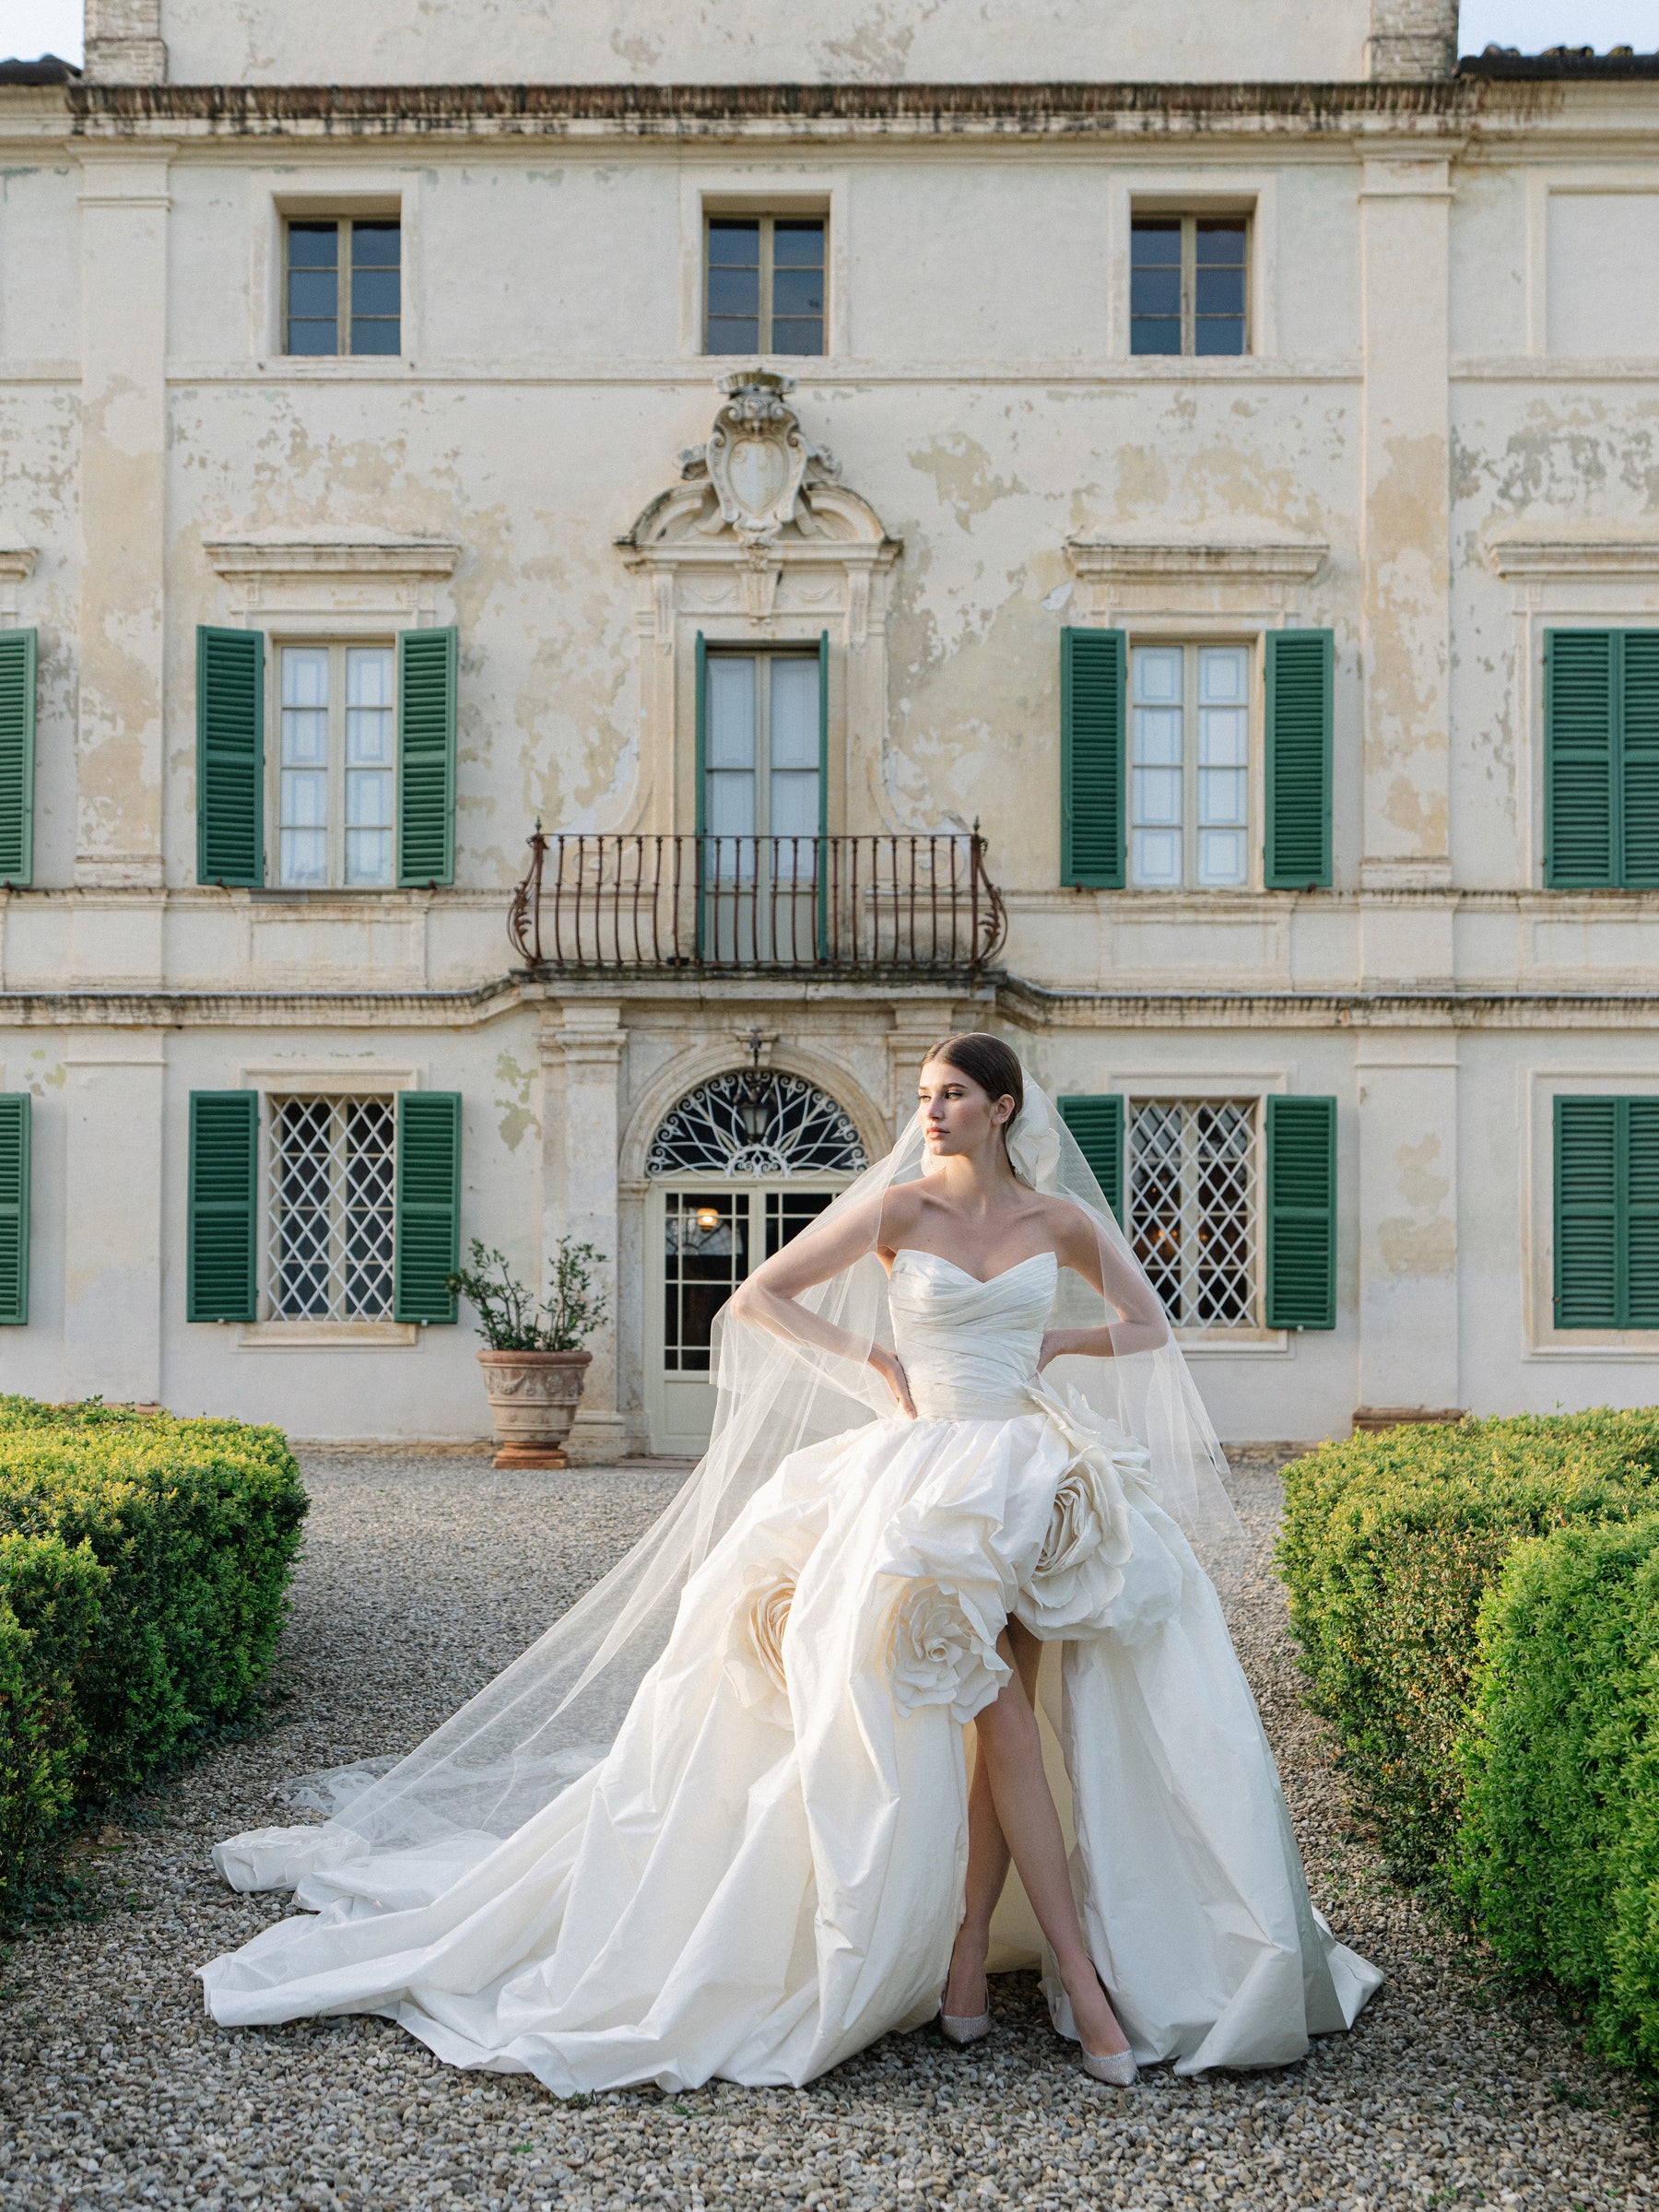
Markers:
(533, 1361)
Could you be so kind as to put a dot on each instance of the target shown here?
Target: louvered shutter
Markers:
(16, 755)
(1093, 670)
(1098, 1126)
(1642, 1215)
(428, 661)
(1586, 1213)
(1579, 758)
(220, 1272)
(1301, 682)
(1638, 764)
(1302, 1213)
(230, 757)
(15, 1107)
(428, 1204)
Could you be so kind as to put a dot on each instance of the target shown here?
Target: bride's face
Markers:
(958, 1116)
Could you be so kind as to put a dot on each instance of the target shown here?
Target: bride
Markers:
(925, 1607)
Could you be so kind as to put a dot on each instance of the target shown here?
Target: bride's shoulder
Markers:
(1065, 1221)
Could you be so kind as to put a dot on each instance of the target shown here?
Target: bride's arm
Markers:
(1140, 1327)
(770, 1295)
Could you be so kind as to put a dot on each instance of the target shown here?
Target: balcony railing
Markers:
(883, 904)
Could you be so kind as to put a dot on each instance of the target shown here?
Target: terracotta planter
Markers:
(533, 1398)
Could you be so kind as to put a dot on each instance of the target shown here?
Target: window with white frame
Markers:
(1191, 1189)
(331, 1209)
(336, 766)
(1189, 772)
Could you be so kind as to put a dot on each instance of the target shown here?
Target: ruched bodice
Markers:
(970, 1348)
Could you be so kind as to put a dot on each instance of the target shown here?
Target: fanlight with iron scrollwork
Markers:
(762, 1123)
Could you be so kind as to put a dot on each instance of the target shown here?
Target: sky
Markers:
(32, 27)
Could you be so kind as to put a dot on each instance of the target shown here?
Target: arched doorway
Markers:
(736, 1169)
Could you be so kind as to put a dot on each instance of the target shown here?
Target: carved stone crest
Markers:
(757, 459)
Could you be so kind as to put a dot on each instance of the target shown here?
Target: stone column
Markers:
(1406, 542)
(123, 43)
(113, 1215)
(582, 1193)
(1412, 38)
(1408, 1097)
(119, 738)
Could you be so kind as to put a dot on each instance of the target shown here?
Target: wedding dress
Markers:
(764, 1871)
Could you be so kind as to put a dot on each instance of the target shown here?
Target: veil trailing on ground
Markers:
(553, 1714)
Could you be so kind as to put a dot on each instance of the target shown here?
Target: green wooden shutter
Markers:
(14, 1208)
(1639, 763)
(230, 757)
(1301, 682)
(1581, 759)
(1587, 1269)
(1093, 671)
(428, 1204)
(16, 755)
(1606, 1213)
(1098, 1126)
(1642, 1205)
(221, 1272)
(428, 661)
(1302, 1213)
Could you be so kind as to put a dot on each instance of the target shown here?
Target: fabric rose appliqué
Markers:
(754, 1642)
(941, 1649)
(1080, 1569)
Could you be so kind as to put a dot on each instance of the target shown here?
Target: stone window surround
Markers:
(16, 566)
(769, 188)
(1541, 184)
(1540, 1087)
(1216, 593)
(350, 190)
(299, 1078)
(1590, 580)
(1163, 1081)
(1174, 190)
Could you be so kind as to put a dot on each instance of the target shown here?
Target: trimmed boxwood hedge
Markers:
(1558, 1854)
(144, 1567)
(1391, 1543)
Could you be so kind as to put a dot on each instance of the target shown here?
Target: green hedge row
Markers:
(144, 1566)
(1391, 1543)
(1558, 1855)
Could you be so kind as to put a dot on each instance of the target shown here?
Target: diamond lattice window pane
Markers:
(1192, 1215)
(332, 1219)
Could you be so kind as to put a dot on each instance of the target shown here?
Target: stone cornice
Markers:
(1562, 560)
(1118, 561)
(18, 563)
(321, 556)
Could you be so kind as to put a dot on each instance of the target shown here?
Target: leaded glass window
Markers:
(1192, 1207)
(331, 1196)
(758, 1123)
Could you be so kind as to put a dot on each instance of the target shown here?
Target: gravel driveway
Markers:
(422, 1577)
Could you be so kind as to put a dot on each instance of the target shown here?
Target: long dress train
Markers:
(765, 1873)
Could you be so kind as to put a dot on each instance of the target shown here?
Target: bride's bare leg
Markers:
(988, 1856)
(1011, 1759)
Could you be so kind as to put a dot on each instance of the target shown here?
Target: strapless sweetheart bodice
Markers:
(970, 1348)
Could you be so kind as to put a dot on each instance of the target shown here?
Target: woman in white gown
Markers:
(718, 1821)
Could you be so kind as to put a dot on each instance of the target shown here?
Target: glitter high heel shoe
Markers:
(961, 2030)
(1117, 2067)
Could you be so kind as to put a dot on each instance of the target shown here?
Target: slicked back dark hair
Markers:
(993, 1065)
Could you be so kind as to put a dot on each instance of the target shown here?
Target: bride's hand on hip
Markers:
(1057, 1343)
(891, 1368)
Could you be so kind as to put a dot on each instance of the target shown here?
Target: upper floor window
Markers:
(336, 766)
(1189, 776)
(1601, 760)
(1188, 287)
(343, 285)
(764, 284)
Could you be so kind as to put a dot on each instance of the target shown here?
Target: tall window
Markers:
(1192, 1207)
(764, 284)
(343, 288)
(336, 766)
(762, 773)
(331, 1208)
(1187, 283)
(1189, 780)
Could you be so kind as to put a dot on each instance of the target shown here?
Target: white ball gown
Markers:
(765, 1871)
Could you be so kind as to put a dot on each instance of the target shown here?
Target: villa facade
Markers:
(579, 584)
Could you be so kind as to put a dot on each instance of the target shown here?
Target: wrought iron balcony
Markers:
(878, 905)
